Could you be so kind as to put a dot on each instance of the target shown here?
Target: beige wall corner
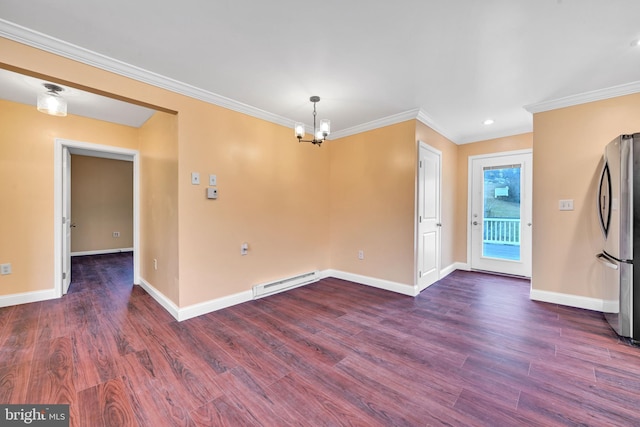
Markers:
(567, 157)
(159, 204)
(372, 181)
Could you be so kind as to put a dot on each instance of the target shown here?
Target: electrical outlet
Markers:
(5, 269)
(116, 234)
(155, 264)
(361, 254)
(565, 205)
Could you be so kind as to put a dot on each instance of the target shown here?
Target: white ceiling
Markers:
(458, 62)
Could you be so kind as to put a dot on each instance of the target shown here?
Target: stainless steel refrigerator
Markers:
(619, 214)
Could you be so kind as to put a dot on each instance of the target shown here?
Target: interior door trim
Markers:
(95, 150)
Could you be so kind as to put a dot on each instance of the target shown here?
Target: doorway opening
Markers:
(62, 202)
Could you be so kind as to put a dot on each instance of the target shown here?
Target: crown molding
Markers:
(424, 118)
(415, 114)
(469, 139)
(583, 98)
(375, 124)
(44, 42)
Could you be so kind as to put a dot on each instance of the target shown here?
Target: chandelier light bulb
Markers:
(325, 127)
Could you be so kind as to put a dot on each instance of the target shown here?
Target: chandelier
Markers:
(319, 134)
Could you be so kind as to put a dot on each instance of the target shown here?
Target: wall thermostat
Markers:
(212, 193)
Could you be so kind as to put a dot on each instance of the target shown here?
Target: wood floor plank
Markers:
(246, 394)
(94, 360)
(305, 402)
(471, 350)
(14, 381)
(106, 404)
(224, 412)
(151, 396)
(265, 368)
(21, 335)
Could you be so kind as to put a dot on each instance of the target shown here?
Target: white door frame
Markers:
(417, 246)
(470, 191)
(94, 150)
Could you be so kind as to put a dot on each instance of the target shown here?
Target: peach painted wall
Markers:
(568, 148)
(372, 181)
(101, 203)
(273, 195)
(450, 246)
(274, 192)
(26, 183)
(490, 146)
(159, 203)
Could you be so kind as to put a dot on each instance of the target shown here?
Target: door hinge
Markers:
(64, 220)
(420, 163)
(64, 275)
(419, 273)
(420, 218)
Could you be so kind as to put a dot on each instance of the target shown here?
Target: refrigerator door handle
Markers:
(607, 261)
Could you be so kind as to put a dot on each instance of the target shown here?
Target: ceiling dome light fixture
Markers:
(488, 122)
(50, 102)
(320, 134)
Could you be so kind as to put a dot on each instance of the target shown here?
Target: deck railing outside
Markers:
(502, 231)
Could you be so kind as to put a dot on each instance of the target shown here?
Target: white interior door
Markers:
(66, 220)
(429, 225)
(500, 213)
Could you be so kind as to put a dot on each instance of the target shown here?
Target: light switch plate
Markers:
(195, 178)
(213, 180)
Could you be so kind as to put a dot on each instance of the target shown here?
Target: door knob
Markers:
(439, 225)
(475, 222)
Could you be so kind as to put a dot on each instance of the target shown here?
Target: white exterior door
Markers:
(429, 225)
(66, 220)
(500, 213)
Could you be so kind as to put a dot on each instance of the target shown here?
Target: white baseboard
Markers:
(184, 313)
(161, 298)
(199, 309)
(576, 301)
(188, 312)
(27, 297)
(453, 267)
(102, 252)
(396, 287)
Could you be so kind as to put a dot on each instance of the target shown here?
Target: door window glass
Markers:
(501, 219)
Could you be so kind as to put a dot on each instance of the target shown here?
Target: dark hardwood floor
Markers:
(470, 350)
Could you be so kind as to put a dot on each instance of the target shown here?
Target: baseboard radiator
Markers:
(271, 288)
